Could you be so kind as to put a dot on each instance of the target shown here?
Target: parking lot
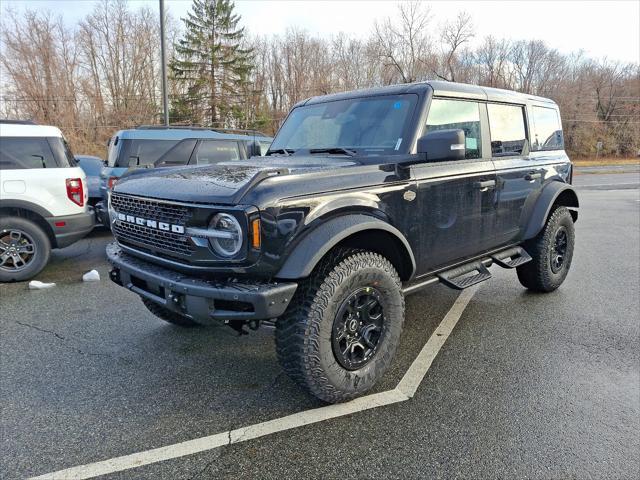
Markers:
(526, 386)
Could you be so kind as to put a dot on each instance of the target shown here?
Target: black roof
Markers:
(439, 87)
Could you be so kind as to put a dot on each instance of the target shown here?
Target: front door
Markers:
(455, 198)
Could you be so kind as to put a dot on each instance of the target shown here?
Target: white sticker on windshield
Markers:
(398, 143)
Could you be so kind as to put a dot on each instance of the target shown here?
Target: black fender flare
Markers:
(317, 242)
(545, 202)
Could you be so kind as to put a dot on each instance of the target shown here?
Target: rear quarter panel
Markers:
(44, 187)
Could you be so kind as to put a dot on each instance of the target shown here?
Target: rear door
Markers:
(455, 198)
(519, 176)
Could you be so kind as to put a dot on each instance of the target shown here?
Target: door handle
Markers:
(531, 176)
(486, 185)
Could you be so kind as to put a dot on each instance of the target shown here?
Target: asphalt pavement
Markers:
(527, 385)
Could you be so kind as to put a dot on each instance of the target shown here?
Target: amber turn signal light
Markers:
(255, 234)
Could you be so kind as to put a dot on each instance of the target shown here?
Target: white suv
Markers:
(43, 198)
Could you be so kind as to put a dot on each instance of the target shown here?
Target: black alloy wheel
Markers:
(559, 249)
(358, 328)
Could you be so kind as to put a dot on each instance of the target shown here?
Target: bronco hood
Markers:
(224, 183)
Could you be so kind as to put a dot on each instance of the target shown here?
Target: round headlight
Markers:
(227, 235)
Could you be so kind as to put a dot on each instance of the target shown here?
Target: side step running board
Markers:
(462, 276)
(457, 277)
(511, 258)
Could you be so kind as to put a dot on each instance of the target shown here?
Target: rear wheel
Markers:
(340, 332)
(552, 252)
(24, 249)
(168, 315)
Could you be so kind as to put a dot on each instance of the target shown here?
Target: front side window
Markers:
(369, 125)
(216, 151)
(547, 130)
(138, 153)
(25, 152)
(457, 114)
(508, 134)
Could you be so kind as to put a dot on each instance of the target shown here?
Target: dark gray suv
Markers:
(363, 197)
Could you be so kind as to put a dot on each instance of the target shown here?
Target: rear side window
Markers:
(62, 152)
(216, 151)
(547, 130)
(25, 152)
(508, 133)
(456, 114)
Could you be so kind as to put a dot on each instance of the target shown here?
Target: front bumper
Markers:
(204, 301)
(71, 228)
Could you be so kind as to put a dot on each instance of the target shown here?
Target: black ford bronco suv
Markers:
(364, 197)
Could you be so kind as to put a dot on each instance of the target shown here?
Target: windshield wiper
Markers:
(284, 151)
(345, 151)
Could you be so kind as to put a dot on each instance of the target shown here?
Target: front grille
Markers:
(152, 237)
(160, 211)
(158, 239)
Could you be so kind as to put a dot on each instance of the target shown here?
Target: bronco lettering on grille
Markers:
(145, 222)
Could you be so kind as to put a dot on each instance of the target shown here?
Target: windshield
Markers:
(368, 126)
(133, 153)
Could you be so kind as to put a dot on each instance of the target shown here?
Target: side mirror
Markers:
(442, 145)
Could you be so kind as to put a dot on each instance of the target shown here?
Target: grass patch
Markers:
(605, 161)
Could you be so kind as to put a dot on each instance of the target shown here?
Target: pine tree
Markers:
(212, 65)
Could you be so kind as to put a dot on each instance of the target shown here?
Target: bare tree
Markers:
(404, 45)
(454, 35)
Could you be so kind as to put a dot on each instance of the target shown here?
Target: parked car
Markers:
(143, 147)
(43, 198)
(92, 167)
(363, 198)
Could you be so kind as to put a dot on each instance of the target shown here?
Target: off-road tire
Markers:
(538, 275)
(40, 241)
(167, 315)
(304, 332)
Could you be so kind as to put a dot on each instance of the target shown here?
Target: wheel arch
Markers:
(353, 230)
(553, 195)
(30, 211)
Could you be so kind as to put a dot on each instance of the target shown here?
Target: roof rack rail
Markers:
(171, 127)
(18, 122)
(242, 131)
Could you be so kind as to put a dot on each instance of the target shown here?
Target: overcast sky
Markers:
(600, 28)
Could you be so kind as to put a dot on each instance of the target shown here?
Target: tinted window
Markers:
(25, 152)
(178, 155)
(62, 152)
(216, 151)
(547, 130)
(132, 153)
(371, 125)
(506, 123)
(456, 114)
(264, 147)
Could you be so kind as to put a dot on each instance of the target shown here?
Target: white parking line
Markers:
(404, 391)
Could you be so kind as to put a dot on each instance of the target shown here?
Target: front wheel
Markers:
(341, 330)
(552, 252)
